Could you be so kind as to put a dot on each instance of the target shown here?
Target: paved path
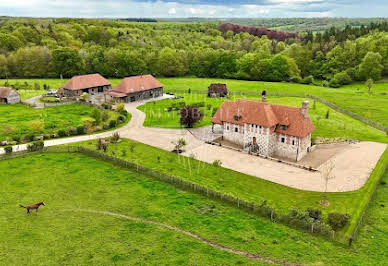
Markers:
(188, 233)
(352, 166)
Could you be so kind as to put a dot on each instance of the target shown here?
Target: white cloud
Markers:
(172, 11)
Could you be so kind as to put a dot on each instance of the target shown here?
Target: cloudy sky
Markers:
(194, 8)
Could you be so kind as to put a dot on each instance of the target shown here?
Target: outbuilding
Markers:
(93, 84)
(217, 90)
(9, 96)
(136, 88)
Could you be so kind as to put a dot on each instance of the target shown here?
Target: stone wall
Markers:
(141, 95)
(13, 97)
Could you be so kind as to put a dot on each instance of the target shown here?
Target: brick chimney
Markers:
(305, 109)
(264, 96)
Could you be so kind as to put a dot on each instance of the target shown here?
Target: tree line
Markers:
(33, 48)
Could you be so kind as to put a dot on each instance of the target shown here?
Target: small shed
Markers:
(217, 90)
(9, 96)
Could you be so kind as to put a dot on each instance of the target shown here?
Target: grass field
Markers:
(15, 120)
(354, 97)
(60, 234)
(337, 125)
(245, 187)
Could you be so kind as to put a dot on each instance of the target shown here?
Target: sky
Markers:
(194, 8)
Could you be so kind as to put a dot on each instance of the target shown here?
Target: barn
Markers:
(92, 84)
(9, 96)
(217, 90)
(136, 88)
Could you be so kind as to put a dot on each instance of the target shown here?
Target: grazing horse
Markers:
(33, 207)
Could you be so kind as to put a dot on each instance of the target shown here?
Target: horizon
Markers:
(204, 9)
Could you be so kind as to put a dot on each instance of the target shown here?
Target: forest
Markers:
(37, 48)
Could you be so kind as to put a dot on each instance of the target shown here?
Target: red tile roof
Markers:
(86, 81)
(4, 92)
(265, 114)
(137, 83)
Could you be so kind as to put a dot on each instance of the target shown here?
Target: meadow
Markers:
(62, 234)
(248, 188)
(17, 120)
(354, 97)
(336, 125)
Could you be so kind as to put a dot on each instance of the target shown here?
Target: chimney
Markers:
(264, 96)
(305, 109)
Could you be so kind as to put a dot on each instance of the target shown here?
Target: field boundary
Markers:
(191, 234)
(261, 210)
(367, 205)
(313, 97)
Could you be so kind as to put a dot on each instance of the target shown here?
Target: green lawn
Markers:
(338, 124)
(240, 185)
(61, 235)
(15, 120)
(354, 97)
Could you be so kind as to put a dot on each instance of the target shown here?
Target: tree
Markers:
(189, 115)
(338, 220)
(327, 174)
(3, 66)
(31, 62)
(179, 145)
(172, 63)
(67, 61)
(371, 66)
(369, 84)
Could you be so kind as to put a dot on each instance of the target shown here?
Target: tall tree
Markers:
(67, 62)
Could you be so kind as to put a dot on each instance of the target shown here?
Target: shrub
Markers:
(8, 150)
(334, 83)
(343, 78)
(72, 131)
(121, 118)
(35, 146)
(105, 126)
(217, 163)
(308, 80)
(81, 129)
(338, 220)
(61, 133)
(46, 136)
(96, 114)
(105, 116)
(112, 123)
(36, 125)
(316, 214)
(16, 138)
(124, 113)
(115, 137)
(120, 107)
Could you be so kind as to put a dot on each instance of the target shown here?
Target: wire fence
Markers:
(262, 210)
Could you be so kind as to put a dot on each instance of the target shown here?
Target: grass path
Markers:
(188, 233)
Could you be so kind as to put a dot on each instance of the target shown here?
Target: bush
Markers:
(35, 146)
(112, 123)
(81, 129)
(316, 214)
(97, 116)
(217, 163)
(334, 83)
(16, 138)
(72, 131)
(115, 137)
(337, 220)
(190, 115)
(8, 150)
(343, 78)
(105, 116)
(308, 80)
(124, 113)
(62, 133)
(105, 126)
(120, 107)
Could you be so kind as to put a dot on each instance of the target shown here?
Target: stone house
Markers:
(136, 88)
(9, 96)
(217, 90)
(267, 129)
(93, 84)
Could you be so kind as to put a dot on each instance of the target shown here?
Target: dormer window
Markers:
(237, 117)
(283, 127)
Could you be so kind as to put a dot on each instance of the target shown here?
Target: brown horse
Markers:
(33, 207)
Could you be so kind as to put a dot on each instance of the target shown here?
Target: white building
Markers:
(268, 129)
(9, 96)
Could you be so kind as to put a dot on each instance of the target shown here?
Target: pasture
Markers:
(354, 97)
(17, 120)
(248, 188)
(63, 234)
(163, 114)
